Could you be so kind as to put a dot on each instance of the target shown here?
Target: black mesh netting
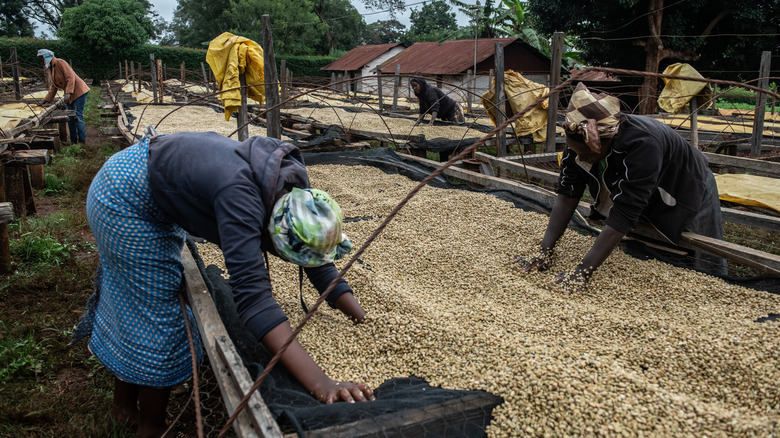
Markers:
(404, 407)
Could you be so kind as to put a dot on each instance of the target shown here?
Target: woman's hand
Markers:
(575, 280)
(350, 392)
(538, 262)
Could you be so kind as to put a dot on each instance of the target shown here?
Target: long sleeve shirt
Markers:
(64, 78)
(223, 191)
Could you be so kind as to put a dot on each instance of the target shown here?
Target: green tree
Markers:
(196, 22)
(342, 24)
(389, 5)
(712, 35)
(295, 28)
(383, 32)
(13, 20)
(49, 12)
(105, 31)
(435, 21)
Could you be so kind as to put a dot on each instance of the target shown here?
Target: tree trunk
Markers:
(654, 49)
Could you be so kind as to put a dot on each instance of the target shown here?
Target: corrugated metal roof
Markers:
(358, 57)
(450, 58)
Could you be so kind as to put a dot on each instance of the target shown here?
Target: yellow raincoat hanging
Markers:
(521, 92)
(230, 55)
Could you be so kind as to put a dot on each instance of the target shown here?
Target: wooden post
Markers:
(694, 103)
(500, 99)
(470, 88)
(154, 77)
(183, 75)
(333, 80)
(379, 86)
(555, 80)
(273, 116)
(127, 76)
(758, 120)
(160, 81)
(346, 85)
(132, 74)
(396, 85)
(140, 75)
(243, 118)
(6, 217)
(283, 68)
(714, 110)
(14, 187)
(120, 70)
(15, 71)
(205, 77)
(37, 179)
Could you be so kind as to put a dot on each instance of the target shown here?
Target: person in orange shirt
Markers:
(76, 91)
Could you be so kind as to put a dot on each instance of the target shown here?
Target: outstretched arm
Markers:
(311, 376)
(575, 280)
(561, 214)
(349, 306)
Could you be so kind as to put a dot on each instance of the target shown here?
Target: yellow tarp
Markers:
(230, 55)
(520, 93)
(677, 92)
(758, 191)
(13, 113)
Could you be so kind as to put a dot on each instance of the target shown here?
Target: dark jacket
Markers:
(223, 191)
(650, 172)
(433, 99)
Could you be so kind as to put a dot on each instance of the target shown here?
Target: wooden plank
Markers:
(543, 196)
(37, 120)
(211, 327)
(757, 220)
(737, 253)
(768, 167)
(533, 172)
(32, 156)
(243, 382)
(747, 256)
(534, 158)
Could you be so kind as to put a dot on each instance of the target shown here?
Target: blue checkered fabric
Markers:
(138, 329)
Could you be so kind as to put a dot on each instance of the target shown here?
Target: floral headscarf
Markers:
(306, 228)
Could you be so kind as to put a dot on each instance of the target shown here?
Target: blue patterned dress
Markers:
(137, 323)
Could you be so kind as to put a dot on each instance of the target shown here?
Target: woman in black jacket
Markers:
(635, 168)
(435, 102)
